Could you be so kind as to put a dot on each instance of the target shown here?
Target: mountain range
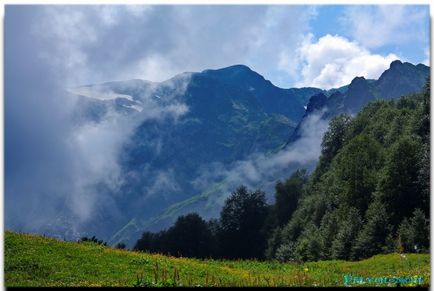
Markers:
(400, 79)
(187, 138)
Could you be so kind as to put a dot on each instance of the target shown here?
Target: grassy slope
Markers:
(38, 261)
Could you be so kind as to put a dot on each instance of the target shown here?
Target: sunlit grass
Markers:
(39, 261)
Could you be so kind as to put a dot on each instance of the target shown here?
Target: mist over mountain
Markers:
(214, 120)
(164, 149)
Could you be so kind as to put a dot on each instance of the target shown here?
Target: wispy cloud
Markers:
(380, 25)
(262, 170)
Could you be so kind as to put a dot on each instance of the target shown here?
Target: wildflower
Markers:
(306, 269)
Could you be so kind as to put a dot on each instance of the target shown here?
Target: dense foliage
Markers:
(369, 194)
(190, 236)
(238, 233)
(370, 191)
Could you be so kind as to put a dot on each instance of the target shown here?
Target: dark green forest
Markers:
(368, 194)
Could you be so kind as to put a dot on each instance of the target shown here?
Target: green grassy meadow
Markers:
(32, 260)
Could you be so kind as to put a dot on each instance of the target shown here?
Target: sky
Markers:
(291, 45)
(48, 160)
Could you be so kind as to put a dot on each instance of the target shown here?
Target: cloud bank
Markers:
(123, 42)
(333, 61)
(53, 166)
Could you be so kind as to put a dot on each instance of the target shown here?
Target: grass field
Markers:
(39, 261)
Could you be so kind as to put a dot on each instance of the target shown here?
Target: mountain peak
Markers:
(238, 67)
(241, 75)
(401, 79)
(358, 80)
(316, 102)
(395, 63)
(232, 70)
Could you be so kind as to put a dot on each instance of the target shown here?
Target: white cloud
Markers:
(163, 182)
(376, 26)
(333, 61)
(427, 60)
(151, 67)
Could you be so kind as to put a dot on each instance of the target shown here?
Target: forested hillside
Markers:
(369, 194)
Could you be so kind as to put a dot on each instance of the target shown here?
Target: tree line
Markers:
(368, 194)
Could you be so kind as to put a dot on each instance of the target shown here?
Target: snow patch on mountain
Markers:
(99, 93)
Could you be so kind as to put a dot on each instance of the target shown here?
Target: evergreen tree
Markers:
(328, 231)
(405, 237)
(285, 252)
(344, 240)
(273, 243)
(308, 246)
(358, 165)
(189, 237)
(420, 226)
(332, 142)
(371, 239)
(402, 192)
(150, 242)
(287, 195)
(241, 225)
(423, 178)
